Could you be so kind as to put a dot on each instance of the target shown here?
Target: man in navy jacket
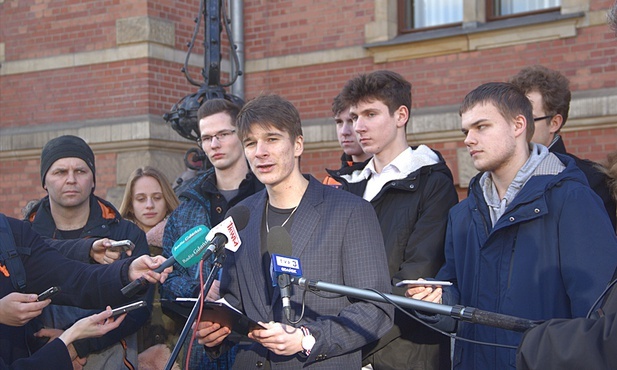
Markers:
(532, 240)
(91, 286)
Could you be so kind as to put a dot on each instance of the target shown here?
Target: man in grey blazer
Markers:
(336, 237)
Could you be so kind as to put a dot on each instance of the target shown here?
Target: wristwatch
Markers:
(308, 341)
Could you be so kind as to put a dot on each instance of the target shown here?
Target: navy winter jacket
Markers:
(549, 256)
(91, 286)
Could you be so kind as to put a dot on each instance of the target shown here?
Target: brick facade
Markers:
(108, 70)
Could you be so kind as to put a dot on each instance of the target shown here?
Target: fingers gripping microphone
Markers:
(187, 251)
(283, 266)
(225, 234)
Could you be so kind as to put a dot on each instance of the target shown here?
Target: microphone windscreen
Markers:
(279, 241)
(240, 214)
(188, 250)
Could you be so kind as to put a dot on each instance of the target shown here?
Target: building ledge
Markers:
(476, 36)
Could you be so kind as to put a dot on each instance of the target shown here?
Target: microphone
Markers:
(187, 251)
(283, 266)
(461, 313)
(225, 234)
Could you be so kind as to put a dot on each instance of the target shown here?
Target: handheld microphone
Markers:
(283, 266)
(225, 234)
(187, 251)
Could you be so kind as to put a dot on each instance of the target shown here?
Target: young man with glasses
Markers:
(206, 202)
(549, 93)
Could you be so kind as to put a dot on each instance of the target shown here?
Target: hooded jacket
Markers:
(348, 166)
(104, 221)
(598, 181)
(202, 204)
(413, 214)
(548, 256)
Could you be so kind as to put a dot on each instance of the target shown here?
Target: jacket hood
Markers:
(194, 189)
(356, 175)
(541, 183)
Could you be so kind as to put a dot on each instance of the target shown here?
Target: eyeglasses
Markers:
(221, 137)
(541, 118)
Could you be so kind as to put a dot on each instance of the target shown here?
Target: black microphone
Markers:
(279, 243)
(225, 234)
(458, 312)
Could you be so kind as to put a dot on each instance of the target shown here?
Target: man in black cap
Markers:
(72, 211)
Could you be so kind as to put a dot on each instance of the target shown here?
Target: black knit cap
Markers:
(67, 146)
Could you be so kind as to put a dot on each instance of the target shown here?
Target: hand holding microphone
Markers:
(187, 251)
(200, 243)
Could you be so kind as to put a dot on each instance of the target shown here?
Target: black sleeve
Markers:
(83, 285)
(75, 249)
(572, 343)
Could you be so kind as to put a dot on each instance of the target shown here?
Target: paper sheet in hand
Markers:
(223, 313)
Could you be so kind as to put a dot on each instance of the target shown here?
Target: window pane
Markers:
(430, 13)
(508, 7)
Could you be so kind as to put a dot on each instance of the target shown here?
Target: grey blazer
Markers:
(337, 238)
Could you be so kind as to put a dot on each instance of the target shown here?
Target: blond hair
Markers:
(171, 200)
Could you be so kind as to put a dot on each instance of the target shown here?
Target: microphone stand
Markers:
(218, 263)
(458, 312)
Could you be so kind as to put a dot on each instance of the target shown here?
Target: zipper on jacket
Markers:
(512, 258)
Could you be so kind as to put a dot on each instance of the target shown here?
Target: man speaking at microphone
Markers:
(334, 234)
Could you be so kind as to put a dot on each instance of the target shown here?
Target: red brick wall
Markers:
(21, 181)
(32, 29)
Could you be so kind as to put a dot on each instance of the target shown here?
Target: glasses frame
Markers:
(543, 117)
(221, 136)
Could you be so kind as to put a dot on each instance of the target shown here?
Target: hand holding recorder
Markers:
(92, 326)
(151, 269)
(426, 290)
(16, 309)
(106, 251)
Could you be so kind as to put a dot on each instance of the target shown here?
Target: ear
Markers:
(520, 126)
(298, 146)
(556, 123)
(401, 115)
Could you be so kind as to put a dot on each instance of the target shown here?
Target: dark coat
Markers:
(104, 221)
(548, 256)
(336, 237)
(347, 168)
(89, 286)
(202, 204)
(598, 180)
(583, 343)
(413, 214)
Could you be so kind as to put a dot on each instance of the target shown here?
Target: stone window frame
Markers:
(385, 44)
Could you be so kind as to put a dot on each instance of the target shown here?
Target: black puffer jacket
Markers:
(413, 214)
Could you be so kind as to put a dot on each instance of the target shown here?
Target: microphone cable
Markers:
(201, 306)
(606, 290)
(452, 336)
(294, 322)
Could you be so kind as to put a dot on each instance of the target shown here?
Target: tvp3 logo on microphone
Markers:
(286, 265)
